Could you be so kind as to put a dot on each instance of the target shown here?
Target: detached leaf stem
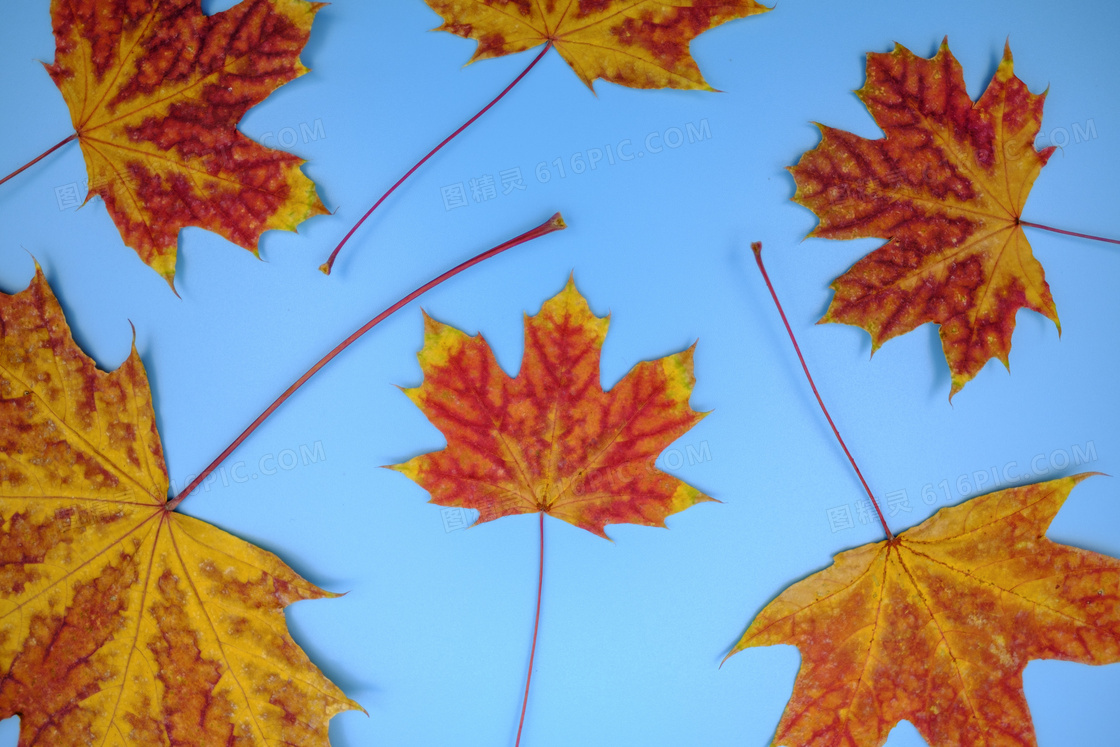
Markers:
(29, 164)
(327, 266)
(555, 223)
(756, 247)
(533, 650)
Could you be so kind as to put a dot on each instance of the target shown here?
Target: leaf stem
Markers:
(533, 650)
(1068, 233)
(756, 247)
(327, 266)
(29, 164)
(555, 223)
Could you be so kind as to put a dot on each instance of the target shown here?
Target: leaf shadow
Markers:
(83, 337)
(931, 48)
(10, 726)
(995, 57)
(941, 380)
(303, 566)
(334, 670)
(905, 730)
(1066, 532)
(213, 7)
(336, 739)
(21, 285)
(321, 36)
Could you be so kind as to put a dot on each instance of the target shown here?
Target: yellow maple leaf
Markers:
(947, 186)
(123, 623)
(936, 625)
(636, 43)
(155, 91)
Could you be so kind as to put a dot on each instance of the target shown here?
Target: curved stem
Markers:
(28, 165)
(757, 248)
(533, 650)
(327, 266)
(1068, 233)
(555, 223)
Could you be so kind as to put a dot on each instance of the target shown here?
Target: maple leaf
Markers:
(636, 43)
(937, 625)
(155, 91)
(551, 440)
(123, 623)
(947, 186)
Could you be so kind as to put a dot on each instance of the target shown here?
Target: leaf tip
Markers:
(38, 276)
(1081, 476)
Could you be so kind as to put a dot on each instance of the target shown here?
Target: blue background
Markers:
(433, 636)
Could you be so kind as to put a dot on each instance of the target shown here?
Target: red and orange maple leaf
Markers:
(936, 626)
(156, 89)
(946, 185)
(122, 622)
(551, 440)
(636, 43)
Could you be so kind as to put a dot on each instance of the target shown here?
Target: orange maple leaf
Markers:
(937, 625)
(947, 186)
(156, 90)
(636, 43)
(551, 440)
(122, 622)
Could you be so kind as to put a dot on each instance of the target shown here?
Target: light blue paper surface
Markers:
(433, 636)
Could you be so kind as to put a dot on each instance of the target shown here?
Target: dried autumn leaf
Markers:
(123, 623)
(636, 43)
(947, 186)
(551, 440)
(156, 90)
(937, 625)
